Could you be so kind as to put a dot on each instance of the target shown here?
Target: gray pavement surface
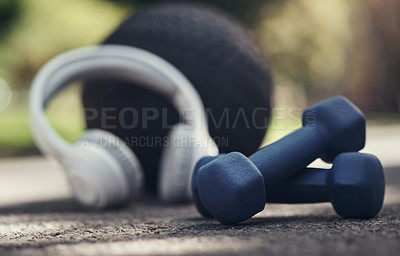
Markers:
(38, 217)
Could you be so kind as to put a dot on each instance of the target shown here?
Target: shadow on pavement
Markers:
(61, 205)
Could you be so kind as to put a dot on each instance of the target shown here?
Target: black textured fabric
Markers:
(215, 53)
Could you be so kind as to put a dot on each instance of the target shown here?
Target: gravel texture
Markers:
(59, 226)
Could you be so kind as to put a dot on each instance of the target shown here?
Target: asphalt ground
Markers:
(39, 217)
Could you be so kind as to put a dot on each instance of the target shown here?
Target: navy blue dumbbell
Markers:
(232, 188)
(195, 192)
(355, 186)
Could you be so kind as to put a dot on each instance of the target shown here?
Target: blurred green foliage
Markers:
(307, 43)
(46, 28)
(38, 31)
(315, 49)
(9, 12)
(323, 48)
(64, 113)
(243, 9)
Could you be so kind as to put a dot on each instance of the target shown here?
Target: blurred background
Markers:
(315, 49)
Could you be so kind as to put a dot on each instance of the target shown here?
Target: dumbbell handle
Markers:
(290, 154)
(307, 186)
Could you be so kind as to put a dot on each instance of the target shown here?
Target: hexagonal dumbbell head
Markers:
(195, 191)
(239, 186)
(344, 124)
(355, 186)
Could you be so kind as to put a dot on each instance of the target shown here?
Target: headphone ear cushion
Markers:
(119, 150)
(175, 165)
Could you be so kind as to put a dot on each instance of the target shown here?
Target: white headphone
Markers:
(101, 168)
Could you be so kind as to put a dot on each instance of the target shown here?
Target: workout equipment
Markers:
(101, 169)
(195, 191)
(355, 186)
(218, 57)
(232, 187)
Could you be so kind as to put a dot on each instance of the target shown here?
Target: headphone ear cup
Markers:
(132, 169)
(176, 162)
(102, 170)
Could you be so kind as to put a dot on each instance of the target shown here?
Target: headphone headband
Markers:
(128, 63)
